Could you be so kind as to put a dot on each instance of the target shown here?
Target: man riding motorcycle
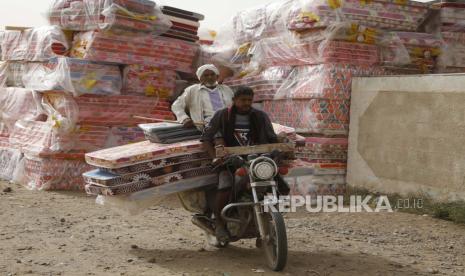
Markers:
(238, 125)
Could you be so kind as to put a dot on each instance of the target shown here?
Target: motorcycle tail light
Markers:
(283, 170)
(241, 172)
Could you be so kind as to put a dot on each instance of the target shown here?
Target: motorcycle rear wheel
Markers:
(275, 245)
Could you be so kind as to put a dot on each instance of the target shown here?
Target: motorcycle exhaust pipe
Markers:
(201, 225)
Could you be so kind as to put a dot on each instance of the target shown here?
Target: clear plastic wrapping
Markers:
(265, 83)
(383, 14)
(14, 72)
(422, 51)
(3, 73)
(260, 22)
(36, 44)
(161, 52)
(124, 17)
(280, 51)
(328, 81)
(17, 104)
(73, 75)
(53, 173)
(10, 159)
(452, 56)
(149, 81)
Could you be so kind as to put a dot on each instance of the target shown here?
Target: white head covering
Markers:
(206, 67)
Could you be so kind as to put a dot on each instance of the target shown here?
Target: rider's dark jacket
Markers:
(223, 122)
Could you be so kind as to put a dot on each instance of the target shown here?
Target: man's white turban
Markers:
(206, 67)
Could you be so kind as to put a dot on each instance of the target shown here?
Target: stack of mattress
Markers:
(382, 14)
(164, 52)
(126, 17)
(185, 24)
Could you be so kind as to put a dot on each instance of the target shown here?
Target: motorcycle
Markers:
(246, 216)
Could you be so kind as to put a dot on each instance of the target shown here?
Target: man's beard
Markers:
(211, 84)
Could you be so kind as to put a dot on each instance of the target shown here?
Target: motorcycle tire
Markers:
(275, 246)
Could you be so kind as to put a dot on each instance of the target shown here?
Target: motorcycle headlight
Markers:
(264, 168)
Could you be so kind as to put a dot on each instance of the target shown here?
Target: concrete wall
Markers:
(407, 135)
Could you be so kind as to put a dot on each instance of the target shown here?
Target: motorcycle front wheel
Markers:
(275, 244)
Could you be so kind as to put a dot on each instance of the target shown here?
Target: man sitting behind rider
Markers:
(238, 125)
(199, 102)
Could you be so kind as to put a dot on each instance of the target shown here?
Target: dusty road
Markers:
(49, 233)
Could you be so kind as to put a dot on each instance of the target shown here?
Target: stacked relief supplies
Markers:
(301, 56)
(100, 65)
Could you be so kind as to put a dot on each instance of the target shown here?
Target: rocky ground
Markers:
(51, 233)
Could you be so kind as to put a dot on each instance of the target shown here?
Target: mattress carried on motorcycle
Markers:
(142, 152)
(145, 165)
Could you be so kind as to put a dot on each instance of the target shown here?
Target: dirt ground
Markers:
(51, 233)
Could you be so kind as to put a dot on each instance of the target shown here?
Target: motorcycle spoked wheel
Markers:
(275, 244)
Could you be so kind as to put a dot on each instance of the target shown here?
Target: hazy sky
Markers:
(32, 12)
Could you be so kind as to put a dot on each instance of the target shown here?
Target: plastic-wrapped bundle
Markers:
(10, 158)
(17, 104)
(37, 137)
(383, 14)
(265, 84)
(265, 21)
(329, 81)
(423, 50)
(321, 116)
(277, 51)
(53, 173)
(149, 81)
(452, 57)
(74, 75)
(124, 17)
(41, 138)
(37, 44)
(323, 149)
(161, 52)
